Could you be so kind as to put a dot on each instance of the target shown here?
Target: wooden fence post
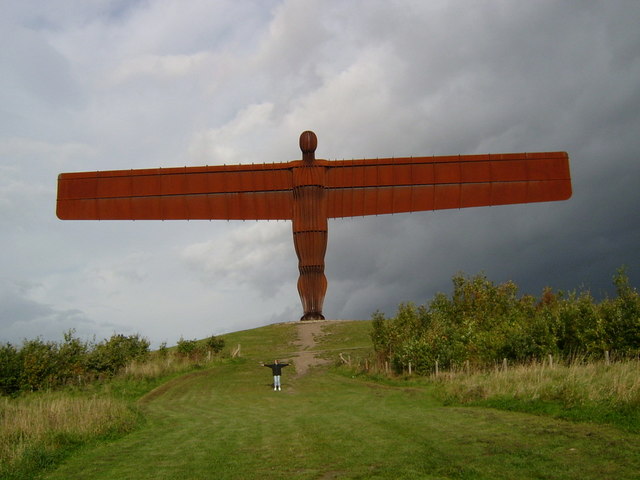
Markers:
(550, 361)
(409, 368)
(504, 364)
(437, 369)
(347, 360)
(606, 358)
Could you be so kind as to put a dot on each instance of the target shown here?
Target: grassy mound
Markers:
(225, 422)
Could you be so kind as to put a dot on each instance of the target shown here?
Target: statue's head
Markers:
(308, 145)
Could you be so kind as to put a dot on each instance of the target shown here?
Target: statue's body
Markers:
(310, 229)
(309, 192)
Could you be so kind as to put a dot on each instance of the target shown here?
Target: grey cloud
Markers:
(22, 317)
(257, 255)
(19, 309)
(35, 75)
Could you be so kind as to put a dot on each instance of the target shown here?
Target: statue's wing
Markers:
(393, 185)
(239, 192)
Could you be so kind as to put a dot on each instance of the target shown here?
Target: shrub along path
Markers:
(227, 423)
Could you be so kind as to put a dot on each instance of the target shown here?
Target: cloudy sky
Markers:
(102, 85)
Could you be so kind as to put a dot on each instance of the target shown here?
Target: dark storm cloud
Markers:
(543, 76)
(160, 84)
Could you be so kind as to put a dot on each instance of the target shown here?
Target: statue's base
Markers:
(311, 316)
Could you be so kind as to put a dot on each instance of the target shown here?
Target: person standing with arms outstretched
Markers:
(276, 368)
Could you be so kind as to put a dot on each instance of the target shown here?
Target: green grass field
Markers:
(227, 423)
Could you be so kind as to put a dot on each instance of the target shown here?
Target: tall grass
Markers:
(594, 391)
(575, 389)
(35, 428)
(161, 367)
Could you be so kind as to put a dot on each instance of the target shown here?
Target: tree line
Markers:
(482, 323)
(43, 365)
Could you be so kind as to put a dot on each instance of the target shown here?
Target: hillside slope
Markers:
(227, 423)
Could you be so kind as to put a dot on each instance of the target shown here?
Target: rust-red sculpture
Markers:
(310, 191)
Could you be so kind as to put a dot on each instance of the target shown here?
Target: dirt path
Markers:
(308, 334)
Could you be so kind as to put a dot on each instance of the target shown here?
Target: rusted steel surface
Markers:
(242, 192)
(396, 185)
(310, 229)
(310, 191)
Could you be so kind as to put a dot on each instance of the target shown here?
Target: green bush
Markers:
(40, 365)
(72, 359)
(163, 351)
(481, 323)
(111, 355)
(214, 344)
(10, 369)
(188, 348)
(621, 317)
